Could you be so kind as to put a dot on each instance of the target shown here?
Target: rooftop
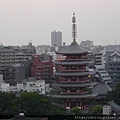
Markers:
(114, 105)
(74, 96)
(74, 48)
(73, 74)
(76, 85)
(72, 63)
(101, 89)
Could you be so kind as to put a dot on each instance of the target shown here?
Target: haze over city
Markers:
(22, 21)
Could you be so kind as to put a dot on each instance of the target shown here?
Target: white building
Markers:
(53, 54)
(37, 86)
(28, 86)
(4, 87)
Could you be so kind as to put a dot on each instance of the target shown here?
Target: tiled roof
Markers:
(101, 89)
(74, 48)
(74, 96)
(114, 105)
(76, 85)
(73, 74)
(72, 63)
(115, 53)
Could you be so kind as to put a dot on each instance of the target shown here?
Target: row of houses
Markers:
(30, 85)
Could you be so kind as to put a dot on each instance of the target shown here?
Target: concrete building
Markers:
(98, 58)
(86, 43)
(13, 55)
(38, 86)
(27, 86)
(112, 47)
(102, 74)
(53, 54)
(113, 65)
(41, 49)
(56, 39)
(15, 74)
(42, 69)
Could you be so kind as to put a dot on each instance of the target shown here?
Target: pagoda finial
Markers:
(74, 32)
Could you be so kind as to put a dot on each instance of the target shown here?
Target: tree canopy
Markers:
(114, 94)
(75, 111)
(30, 102)
(96, 110)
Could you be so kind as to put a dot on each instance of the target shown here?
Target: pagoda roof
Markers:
(101, 89)
(114, 105)
(72, 63)
(73, 48)
(73, 73)
(74, 96)
(75, 85)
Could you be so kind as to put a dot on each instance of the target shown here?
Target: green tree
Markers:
(35, 104)
(6, 103)
(75, 111)
(114, 94)
(96, 110)
(30, 102)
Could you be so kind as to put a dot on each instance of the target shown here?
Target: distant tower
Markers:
(56, 39)
(74, 30)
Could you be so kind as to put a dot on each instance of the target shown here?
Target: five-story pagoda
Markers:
(72, 74)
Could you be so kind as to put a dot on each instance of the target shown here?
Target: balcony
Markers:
(75, 69)
(74, 96)
(75, 81)
(74, 93)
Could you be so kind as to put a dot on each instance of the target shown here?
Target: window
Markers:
(78, 104)
(73, 88)
(67, 104)
(73, 100)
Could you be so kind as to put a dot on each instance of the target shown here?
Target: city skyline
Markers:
(33, 21)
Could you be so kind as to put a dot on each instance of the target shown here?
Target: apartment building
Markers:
(113, 65)
(13, 55)
(42, 69)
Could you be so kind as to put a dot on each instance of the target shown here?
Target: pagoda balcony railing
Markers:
(74, 93)
(76, 59)
(80, 81)
(72, 79)
(83, 69)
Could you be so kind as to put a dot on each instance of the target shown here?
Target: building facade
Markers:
(27, 86)
(56, 39)
(15, 74)
(86, 43)
(113, 65)
(102, 74)
(13, 55)
(42, 69)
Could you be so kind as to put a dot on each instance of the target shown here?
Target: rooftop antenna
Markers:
(115, 41)
(74, 31)
(116, 45)
(103, 41)
(30, 41)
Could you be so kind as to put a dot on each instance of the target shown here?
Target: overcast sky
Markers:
(22, 21)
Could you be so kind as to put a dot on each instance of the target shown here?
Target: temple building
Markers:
(72, 74)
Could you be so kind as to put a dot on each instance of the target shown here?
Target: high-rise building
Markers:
(56, 38)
